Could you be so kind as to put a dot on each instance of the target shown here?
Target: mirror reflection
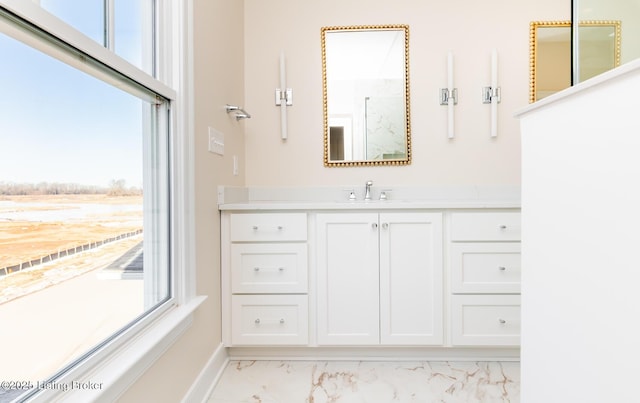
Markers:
(366, 98)
(550, 54)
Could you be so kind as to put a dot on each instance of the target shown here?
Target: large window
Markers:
(85, 193)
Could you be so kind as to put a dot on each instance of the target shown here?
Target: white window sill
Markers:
(110, 373)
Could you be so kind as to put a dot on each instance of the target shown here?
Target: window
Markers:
(86, 181)
(123, 26)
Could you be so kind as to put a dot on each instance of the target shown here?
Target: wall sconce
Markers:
(491, 95)
(449, 96)
(284, 98)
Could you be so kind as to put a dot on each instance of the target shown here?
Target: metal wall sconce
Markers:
(284, 98)
(449, 96)
(491, 95)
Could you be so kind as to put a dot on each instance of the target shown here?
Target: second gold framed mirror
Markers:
(550, 53)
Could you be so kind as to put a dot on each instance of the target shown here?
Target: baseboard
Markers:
(373, 354)
(208, 377)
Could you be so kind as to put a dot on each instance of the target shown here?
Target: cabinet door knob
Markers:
(257, 321)
(502, 321)
(280, 227)
(374, 225)
(385, 225)
(255, 227)
(502, 268)
(282, 321)
(503, 227)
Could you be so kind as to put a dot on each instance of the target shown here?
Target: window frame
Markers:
(118, 363)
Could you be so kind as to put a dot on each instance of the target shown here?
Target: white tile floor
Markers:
(368, 382)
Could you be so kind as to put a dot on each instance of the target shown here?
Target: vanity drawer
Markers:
(494, 226)
(268, 268)
(485, 320)
(269, 227)
(269, 319)
(489, 268)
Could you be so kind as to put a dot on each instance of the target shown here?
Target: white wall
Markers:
(471, 29)
(580, 299)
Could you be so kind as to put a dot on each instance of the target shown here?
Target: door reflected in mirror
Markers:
(366, 95)
(550, 54)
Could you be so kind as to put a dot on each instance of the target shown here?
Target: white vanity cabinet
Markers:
(484, 262)
(379, 278)
(430, 279)
(268, 278)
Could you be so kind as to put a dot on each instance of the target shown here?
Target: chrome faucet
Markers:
(367, 191)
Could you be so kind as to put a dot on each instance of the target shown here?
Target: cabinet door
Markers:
(411, 286)
(348, 283)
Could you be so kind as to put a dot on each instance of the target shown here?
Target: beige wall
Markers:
(471, 29)
(218, 77)
(237, 46)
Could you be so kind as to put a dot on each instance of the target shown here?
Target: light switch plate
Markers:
(216, 141)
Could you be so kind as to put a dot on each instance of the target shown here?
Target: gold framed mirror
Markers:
(550, 54)
(365, 80)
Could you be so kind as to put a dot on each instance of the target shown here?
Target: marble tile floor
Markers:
(368, 382)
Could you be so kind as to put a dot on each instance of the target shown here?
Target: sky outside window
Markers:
(58, 124)
(87, 16)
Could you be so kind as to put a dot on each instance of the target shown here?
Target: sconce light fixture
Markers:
(284, 97)
(491, 95)
(449, 96)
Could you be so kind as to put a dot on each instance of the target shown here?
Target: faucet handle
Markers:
(384, 194)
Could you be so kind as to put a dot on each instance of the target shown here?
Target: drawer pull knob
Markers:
(502, 321)
(255, 227)
(257, 321)
(503, 227)
(280, 227)
(502, 268)
(282, 321)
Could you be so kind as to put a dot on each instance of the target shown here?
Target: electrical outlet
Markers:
(235, 165)
(216, 141)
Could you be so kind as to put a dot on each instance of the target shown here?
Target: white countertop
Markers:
(337, 198)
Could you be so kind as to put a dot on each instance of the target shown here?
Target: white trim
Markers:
(208, 378)
(375, 353)
(183, 231)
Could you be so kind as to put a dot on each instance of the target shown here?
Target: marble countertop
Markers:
(337, 198)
